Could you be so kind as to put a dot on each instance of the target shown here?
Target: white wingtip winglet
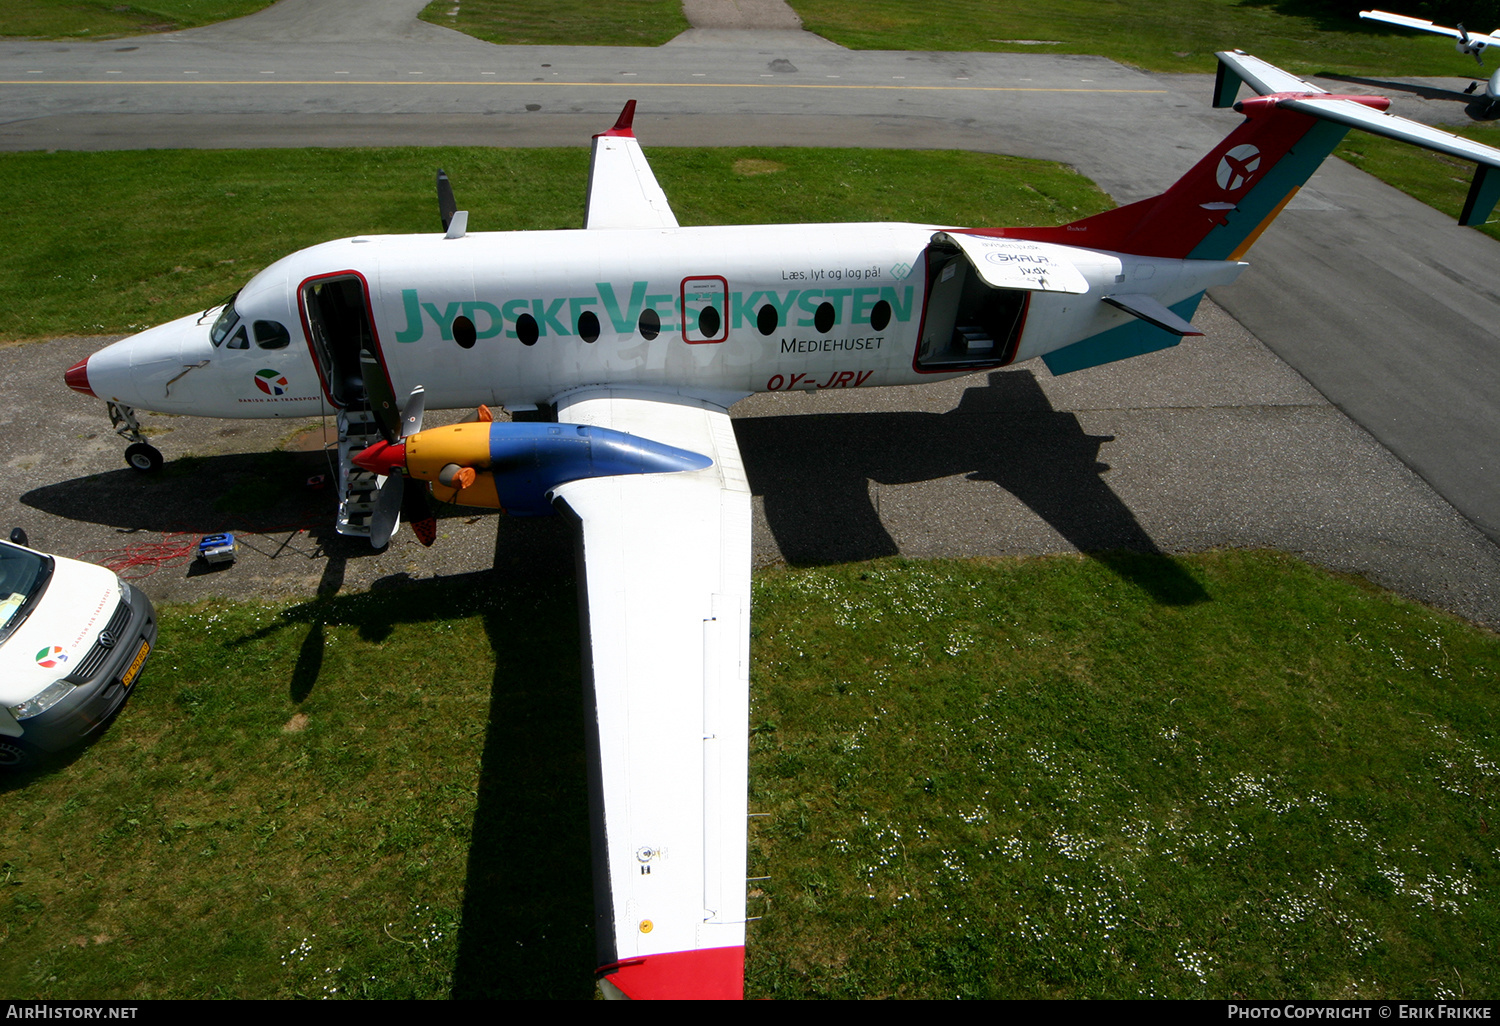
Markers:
(623, 193)
(1364, 112)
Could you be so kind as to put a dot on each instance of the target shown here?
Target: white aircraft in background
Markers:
(1472, 43)
(640, 334)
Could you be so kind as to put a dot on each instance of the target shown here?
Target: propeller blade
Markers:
(411, 414)
(387, 515)
(447, 206)
(417, 512)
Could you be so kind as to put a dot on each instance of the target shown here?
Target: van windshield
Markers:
(23, 578)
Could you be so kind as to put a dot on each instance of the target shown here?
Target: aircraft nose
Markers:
(77, 377)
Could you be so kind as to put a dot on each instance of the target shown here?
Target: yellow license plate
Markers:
(136, 664)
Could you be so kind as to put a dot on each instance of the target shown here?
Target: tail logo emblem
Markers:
(1237, 167)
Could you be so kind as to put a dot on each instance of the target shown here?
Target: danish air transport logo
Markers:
(51, 656)
(1237, 167)
(271, 382)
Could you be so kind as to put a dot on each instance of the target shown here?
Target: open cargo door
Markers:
(978, 292)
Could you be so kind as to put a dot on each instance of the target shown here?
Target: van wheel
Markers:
(16, 755)
(143, 457)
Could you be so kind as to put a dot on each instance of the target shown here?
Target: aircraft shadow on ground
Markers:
(1476, 106)
(526, 926)
(262, 498)
(813, 472)
(261, 493)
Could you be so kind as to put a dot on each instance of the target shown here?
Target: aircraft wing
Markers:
(664, 562)
(623, 192)
(1423, 25)
(1287, 90)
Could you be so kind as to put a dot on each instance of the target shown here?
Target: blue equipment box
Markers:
(218, 548)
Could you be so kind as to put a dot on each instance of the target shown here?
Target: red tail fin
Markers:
(1220, 207)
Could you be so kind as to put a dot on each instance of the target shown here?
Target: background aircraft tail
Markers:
(1221, 206)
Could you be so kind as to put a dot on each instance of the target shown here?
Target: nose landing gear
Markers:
(139, 454)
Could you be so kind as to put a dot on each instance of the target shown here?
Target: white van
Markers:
(73, 639)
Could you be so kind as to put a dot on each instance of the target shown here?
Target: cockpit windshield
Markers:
(225, 324)
(23, 578)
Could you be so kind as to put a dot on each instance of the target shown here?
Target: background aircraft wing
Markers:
(1421, 24)
(664, 562)
(623, 192)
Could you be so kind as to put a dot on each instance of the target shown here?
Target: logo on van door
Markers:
(52, 655)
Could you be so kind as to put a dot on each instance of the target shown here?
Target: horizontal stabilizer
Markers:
(1152, 311)
(1292, 93)
(1261, 77)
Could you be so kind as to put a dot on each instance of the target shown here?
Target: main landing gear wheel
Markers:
(144, 457)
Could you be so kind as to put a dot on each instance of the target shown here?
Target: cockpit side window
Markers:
(239, 340)
(271, 335)
(222, 327)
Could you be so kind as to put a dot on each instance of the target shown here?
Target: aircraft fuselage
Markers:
(518, 318)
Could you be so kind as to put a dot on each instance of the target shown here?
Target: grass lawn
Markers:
(120, 262)
(1163, 35)
(1022, 778)
(105, 19)
(562, 22)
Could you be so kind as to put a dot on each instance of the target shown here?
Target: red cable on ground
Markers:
(136, 561)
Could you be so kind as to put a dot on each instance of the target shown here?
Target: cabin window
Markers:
(880, 316)
(527, 330)
(708, 321)
(823, 317)
(650, 324)
(767, 320)
(271, 335)
(464, 333)
(588, 326)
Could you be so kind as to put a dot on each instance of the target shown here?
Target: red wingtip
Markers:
(381, 458)
(624, 122)
(707, 974)
(77, 377)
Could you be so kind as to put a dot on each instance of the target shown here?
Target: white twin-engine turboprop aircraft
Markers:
(640, 334)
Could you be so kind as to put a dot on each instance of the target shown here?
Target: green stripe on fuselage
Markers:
(1120, 343)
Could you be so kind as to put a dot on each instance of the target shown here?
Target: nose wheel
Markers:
(139, 454)
(143, 456)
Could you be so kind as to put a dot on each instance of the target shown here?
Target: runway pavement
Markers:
(1383, 307)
